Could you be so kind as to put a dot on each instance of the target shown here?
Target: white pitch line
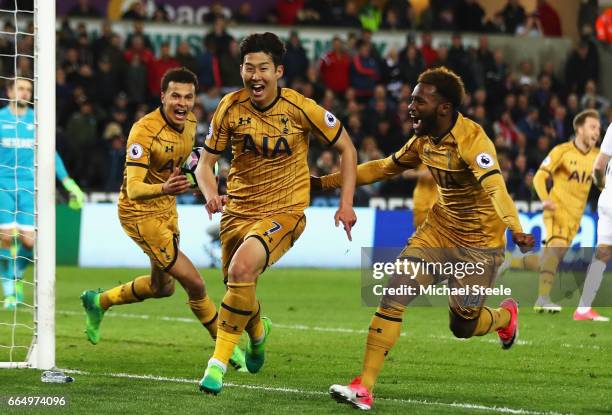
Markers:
(478, 407)
(519, 342)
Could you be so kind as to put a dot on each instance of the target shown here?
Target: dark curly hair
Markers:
(448, 84)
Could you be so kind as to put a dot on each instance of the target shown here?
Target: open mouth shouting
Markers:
(258, 90)
(180, 114)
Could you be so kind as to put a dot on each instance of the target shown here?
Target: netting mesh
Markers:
(17, 181)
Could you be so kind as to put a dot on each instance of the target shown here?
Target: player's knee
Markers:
(461, 327)
(241, 271)
(163, 290)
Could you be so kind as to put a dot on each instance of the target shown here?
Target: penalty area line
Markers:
(476, 407)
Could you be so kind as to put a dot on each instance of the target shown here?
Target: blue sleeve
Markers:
(60, 169)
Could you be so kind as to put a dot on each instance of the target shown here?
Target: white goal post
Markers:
(41, 353)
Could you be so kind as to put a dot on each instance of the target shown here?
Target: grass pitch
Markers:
(152, 355)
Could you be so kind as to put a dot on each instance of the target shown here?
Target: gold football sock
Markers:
(131, 292)
(491, 319)
(526, 262)
(239, 304)
(383, 332)
(548, 270)
(255, 327)
(206, 312)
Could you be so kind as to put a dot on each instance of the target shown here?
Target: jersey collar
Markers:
(278, 95)
(163, 114)
(578, 148)
(452, 130)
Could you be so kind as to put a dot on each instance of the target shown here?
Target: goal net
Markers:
(27, 184)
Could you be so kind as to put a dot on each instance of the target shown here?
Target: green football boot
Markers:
(93, 315)
(237, 360)
(212, 382)
(255, 353)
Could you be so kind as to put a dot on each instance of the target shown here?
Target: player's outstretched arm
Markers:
(348, 169)
(367, 173)
(76, 195)
(208, 183)
(504, 207)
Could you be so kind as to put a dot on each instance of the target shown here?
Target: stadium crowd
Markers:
(106, 83)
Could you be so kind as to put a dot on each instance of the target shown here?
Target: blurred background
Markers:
(529, 66)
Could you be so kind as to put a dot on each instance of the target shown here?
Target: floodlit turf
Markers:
(152, 354)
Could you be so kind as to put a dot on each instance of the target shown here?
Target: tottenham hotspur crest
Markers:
(485, 160)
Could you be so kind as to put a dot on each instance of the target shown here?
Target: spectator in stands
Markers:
(603, 26)
(138, 30)
(115, 142)
(542, 94)
(137, 11)
(83, 8)
(579, 68)
(430, 55)
(531, 27)
(244, 14)
(208, 65)
(160, 14)
(514, 15)
(218, 36)
(559, 123)
(136, 80)
(137, 47)
(549, 19)
(364, 71)
(587, 14)
(217, 10)
(287, 11)
(398, 11)
(530, 125)
(107, 82)
(295, 60)
(370, 15)
(229, 62)
(411, 65)
(334, 67)
(469, 16)
(591, 99)
(158, 68)
(185, 57)
(444, 17)
(348, 17)
(495, 24)
(82, 139)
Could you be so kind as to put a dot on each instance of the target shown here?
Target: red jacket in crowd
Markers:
(334, 71)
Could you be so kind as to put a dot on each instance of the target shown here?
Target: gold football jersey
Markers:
(269, 171)
(425, 192)
(154, 145)
(570, 170)
(470, 211)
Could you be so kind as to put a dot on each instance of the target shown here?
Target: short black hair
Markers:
(267, 42)
(448, 84)
(181, 75)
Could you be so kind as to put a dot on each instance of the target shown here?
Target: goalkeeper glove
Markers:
(76, 195)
